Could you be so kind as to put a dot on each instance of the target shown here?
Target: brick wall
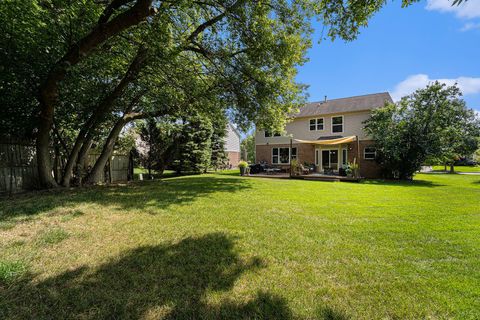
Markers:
(233, 158)
(305, 152)
(368, 168)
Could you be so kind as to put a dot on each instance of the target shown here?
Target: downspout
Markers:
(291, 145)
(358, 156)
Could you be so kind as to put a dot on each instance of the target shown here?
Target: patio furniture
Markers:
(304, 170)
(328, 171)
(272, 170)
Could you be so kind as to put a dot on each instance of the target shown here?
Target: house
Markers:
(232, 145)
(327, 134)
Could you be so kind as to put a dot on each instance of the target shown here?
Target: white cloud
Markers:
(466, 10)
(470, 26)
(468, 85)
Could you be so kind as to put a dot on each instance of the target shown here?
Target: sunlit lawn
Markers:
(458, 168)
(222, 246)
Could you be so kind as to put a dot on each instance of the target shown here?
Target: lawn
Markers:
(458, 168)
(222, 246)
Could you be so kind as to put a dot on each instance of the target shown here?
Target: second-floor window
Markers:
(337, 124)
(316, 124)
(269, 134)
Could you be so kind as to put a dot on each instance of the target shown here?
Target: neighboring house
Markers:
(328, 134)
(232, 145)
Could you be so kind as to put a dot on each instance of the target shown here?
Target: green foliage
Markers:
(126, 142)
(247, 148)
(193, 146)
(219, 156)
(235, 57)
(158, 143)
(476, 156)
(243, 164)
(432, 123)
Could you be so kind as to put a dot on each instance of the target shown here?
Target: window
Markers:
(344, 157)
(282, 155)
(294, 153)
(268, 134)
(369, 153)
(316, 124)
(337, 124)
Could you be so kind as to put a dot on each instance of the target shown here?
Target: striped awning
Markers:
(328, 142)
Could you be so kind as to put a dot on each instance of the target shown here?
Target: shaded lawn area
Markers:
(458, 168)
(222, 246)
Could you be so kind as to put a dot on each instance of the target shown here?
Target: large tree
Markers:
(431, 123)
(72, 68)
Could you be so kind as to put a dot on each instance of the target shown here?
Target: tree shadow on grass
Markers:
(148, 196)
(167, 282)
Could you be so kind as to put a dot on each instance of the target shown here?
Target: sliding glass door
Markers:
(330, 159)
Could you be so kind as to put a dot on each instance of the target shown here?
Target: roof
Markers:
(343, 105)
(234, 129)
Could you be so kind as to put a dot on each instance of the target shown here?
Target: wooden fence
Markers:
(118, 168)
(18, 167)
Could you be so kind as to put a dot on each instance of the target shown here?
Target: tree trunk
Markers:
(81, 166)
(45, 177)
(96, 174)
(72, 159)
(48, 92)
(85, 135)
(452, 168)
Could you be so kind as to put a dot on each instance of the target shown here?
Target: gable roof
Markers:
(343, 105)
(234, 129)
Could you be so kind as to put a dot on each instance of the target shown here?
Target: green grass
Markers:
(52, 236)
(458, 168)
(223, 246)
(10, 271)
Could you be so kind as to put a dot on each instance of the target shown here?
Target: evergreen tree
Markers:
(194, 145)
(219, 156)
(158, 146)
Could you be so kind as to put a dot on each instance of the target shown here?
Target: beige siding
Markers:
(232, 140)
(300, 129)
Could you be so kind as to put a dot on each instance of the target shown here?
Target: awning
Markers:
(329, 142)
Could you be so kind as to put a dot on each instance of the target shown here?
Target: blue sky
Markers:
(401, 49)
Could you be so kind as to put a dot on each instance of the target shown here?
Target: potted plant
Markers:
(243, 167)
(349, 170)
(354, 166)
(294, 167)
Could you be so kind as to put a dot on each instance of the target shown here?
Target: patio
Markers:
(311, 176)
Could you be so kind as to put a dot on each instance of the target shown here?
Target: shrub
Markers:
(243, 164)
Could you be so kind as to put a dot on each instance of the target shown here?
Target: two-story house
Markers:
(328, 134)
(232, 146)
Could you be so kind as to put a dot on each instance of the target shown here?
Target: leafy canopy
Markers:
(431, 124)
